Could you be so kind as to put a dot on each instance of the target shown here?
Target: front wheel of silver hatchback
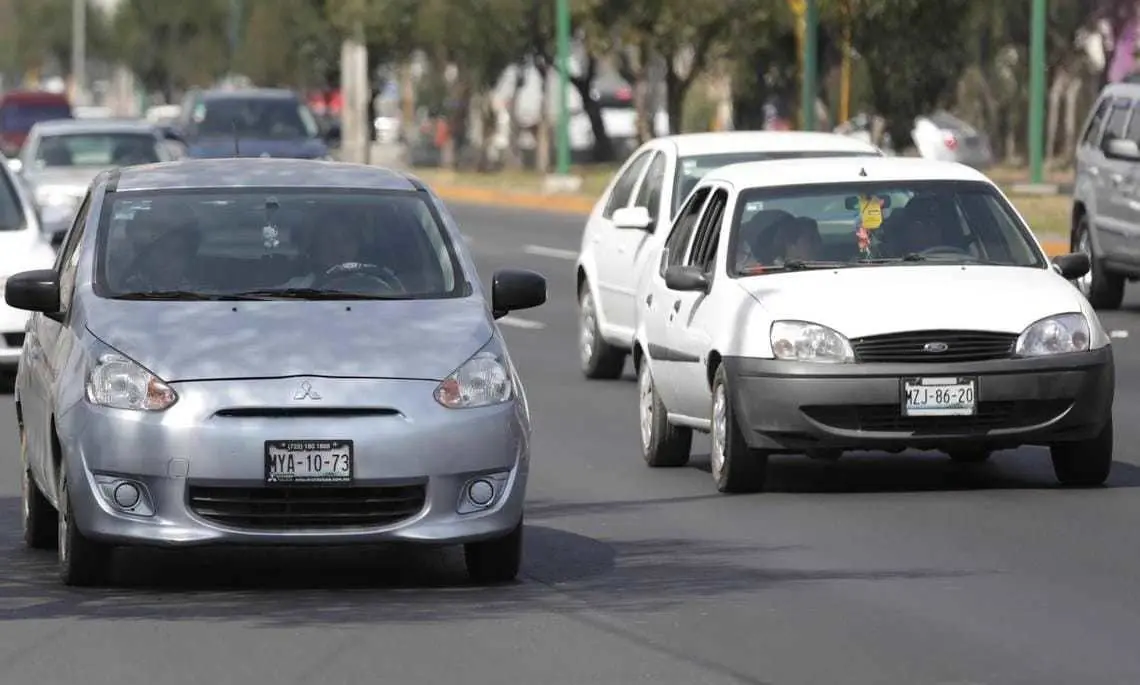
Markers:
(497, 560)
(1103, 289)
(82, 562)
(40, 521)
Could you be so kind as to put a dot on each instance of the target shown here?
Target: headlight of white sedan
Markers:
(119, 383)
(1059, 334)
(481, 381)
(809, 342)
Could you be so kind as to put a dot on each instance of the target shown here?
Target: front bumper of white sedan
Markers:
(792, 407)
(421, 472)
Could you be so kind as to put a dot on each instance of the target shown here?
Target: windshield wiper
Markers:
(912, 257)
(806, 265)
(314, 294)
(177, 295)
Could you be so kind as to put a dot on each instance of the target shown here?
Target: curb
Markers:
(578, 205)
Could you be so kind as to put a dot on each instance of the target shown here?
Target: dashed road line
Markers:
(1118, 334)
(557, 253)
(515, 322)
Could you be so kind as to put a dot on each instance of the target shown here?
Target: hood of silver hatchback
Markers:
(183, 341)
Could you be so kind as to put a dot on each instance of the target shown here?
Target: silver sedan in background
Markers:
(60, 159)
(269, 351)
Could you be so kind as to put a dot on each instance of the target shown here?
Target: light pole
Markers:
(1037, 93)
(562, 21)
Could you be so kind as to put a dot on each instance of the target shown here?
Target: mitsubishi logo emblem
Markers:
(306, 392)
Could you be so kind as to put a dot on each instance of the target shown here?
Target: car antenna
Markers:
(237, 148)
(863, 172)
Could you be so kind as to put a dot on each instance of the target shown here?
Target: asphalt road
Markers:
(877, 569)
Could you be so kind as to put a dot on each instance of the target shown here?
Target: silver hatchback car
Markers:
(265, 351)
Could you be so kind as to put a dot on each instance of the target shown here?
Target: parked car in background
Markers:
(252, 122)
(945, 137)
(61, 158)
(22, 247)
(633, 215)
(20, 110)
(1106, 204)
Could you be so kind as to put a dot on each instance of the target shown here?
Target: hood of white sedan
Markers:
(874, 300)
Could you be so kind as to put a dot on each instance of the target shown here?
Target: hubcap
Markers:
(719, 424)
(646, 405)
(586, 323)
(1084, 283)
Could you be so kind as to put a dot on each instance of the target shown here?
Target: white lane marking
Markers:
(515, 322)
(1118, 334)
(557, 253)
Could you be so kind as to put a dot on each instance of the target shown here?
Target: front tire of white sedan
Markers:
(663, 445)
(39, 517)
(82, 562)
(736, 467)
(1084, 464)
(599, 359)
(495, 561)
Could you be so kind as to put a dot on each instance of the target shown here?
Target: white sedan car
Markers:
(823, 306)
(629, 222)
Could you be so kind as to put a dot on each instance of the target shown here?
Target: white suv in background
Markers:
(634, 213)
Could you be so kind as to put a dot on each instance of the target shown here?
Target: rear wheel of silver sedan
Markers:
(662, 443)
(82, 561)
(495, 561)
(39, 517)
(736, 467)
(1084, 464)
(599, 359)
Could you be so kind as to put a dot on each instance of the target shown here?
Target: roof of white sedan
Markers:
(791, 172)
(726, 142)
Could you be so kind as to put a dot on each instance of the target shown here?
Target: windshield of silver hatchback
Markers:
(870, 224)
(269, 245)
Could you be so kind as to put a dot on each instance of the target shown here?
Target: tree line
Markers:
(906, 57)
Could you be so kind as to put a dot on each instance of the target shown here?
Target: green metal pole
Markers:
(811, 68)
(1037, 94)
(562, 10)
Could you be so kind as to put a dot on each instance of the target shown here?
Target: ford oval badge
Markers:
(935, 347)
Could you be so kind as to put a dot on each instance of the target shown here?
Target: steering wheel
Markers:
(348, 271)
(945, 249)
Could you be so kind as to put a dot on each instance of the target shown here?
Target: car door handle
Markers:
(676, 305)
(649, 300)
(1094, 171)
(1116, 179)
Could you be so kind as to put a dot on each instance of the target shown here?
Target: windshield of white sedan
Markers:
(692, 169)
(934, 222)
(97, 149)
(272, 244)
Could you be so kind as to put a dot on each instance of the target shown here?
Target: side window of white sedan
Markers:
(624, 186)
(703, 251)
(678, 240)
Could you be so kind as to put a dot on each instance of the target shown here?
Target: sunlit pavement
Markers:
(877, 569)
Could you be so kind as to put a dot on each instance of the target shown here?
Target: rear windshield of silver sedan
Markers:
(265, 242)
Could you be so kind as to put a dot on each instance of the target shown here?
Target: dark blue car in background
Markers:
(254, 122)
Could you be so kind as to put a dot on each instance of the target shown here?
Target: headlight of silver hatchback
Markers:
(117, 382)
(809, 342)
(481, 381)
(1060, 334)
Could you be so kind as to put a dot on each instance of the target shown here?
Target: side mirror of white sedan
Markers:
(636, 218)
